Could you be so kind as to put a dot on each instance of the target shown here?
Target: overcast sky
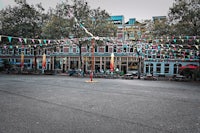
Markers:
(139, 9)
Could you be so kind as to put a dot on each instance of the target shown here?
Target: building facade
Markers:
(132, 48)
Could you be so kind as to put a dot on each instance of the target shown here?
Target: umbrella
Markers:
(43, 61)
(112, 62)
(22, 61)
(189, 67)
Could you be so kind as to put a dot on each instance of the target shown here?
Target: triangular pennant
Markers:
(9, 39)
(20, 39)
(33, 40)
(197, 46)
(40, 41)
(25, 40)
(181, 46)
(175, 40)
(45, 41)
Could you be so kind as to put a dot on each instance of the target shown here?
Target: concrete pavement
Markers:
(61, 104)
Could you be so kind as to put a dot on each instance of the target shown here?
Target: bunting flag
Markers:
(20, 40)
(33, 40)
(9, 39)
(25, 40)
(45, 41)
(175, 45)
(40, 41)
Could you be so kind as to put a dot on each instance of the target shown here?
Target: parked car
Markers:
(74, 72)
(134, 72)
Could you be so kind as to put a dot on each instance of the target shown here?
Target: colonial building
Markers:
(132, 48)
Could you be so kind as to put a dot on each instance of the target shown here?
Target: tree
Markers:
(22, 20)
(161, 28)
(184, 17)
(81, 17)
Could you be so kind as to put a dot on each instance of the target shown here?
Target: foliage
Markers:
(78, 16)
(161, 28)
(184, 17)
(22, 20)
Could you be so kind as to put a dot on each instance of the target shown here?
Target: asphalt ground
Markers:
(62, 104)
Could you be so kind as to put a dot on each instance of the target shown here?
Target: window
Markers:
(61, 49)
(19, 51)
(45, 51)
(88, 48)
(25, 51)
(149, 68)
(166, 68)
(70, 49)
(39, 52)
(124, 49)
(54, 50)
(131, 49)
(11, 51)
(1, 51)
(32, 51)
(77, 49)
(176, 68)
(96, 49)
(106, 48)
(114, 48)
(158, 68)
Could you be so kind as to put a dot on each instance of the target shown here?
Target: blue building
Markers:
(132, 48)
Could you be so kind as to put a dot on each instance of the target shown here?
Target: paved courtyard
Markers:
(61, 104)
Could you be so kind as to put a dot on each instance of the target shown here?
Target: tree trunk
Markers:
(35, 59)
(80, 56)
(139, 67)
